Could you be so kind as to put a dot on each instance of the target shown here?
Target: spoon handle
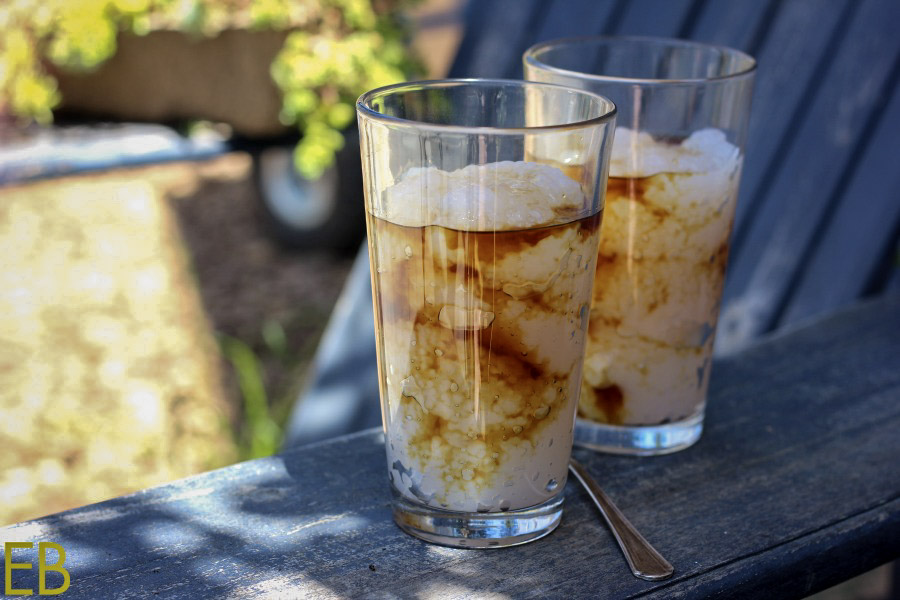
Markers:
(643, 559)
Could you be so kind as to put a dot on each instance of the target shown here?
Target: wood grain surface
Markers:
(793, 487)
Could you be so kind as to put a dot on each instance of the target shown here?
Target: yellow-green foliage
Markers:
(322, 71)
(337, 50)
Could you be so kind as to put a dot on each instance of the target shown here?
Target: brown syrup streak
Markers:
(495, 352)
(608, 400)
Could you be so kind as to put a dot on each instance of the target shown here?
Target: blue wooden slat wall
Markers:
(821, 75)
(513, 67)
(495, 30)
(865, 223)
(740, 25)
(797, 41)
(666, 18)
(831, 129)
(571, 18)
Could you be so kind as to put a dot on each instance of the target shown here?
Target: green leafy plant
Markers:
(260, 434)
(336, 50)
(269, 375)
(321, 74)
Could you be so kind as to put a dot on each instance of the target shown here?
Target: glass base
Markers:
(642, 440)
(477, 530)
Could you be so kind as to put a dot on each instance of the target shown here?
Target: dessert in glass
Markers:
(482, 259)
(673, 182)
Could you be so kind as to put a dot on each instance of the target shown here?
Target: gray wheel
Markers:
(301, 213)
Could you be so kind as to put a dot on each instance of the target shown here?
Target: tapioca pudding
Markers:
(663, 251)
(481, 316)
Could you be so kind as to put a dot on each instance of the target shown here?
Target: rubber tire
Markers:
(298, 213)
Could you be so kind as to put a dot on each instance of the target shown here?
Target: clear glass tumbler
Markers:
(483, 251)
(673, 181)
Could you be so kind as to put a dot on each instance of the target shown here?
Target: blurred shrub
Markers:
(260, 434)
(337, 49)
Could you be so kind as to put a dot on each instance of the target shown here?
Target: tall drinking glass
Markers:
(673, 180)
(482, 258)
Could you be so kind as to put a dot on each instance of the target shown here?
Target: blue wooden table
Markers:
(794, 487)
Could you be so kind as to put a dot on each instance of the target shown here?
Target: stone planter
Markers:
(168, 76)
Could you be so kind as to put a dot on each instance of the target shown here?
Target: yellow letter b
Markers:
(43, 567)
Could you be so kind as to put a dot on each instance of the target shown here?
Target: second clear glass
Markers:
(674, 174)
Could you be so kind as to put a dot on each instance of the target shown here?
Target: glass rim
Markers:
(530, 58)
(363, 107)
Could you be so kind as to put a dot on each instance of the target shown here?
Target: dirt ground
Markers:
(247, 282)
(115, 289)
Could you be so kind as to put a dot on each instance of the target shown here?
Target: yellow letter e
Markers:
(9, 565)
(43, 567)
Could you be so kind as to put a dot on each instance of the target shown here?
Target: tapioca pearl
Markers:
(542, 411)
(462, 318)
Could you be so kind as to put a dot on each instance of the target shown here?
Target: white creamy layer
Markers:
(659, 382)
(657, 291)
(432, 364)
(638, 154)
(497, 196)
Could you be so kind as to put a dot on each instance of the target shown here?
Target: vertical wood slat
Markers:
(342, 390)
(664, 18)
(494, 28)
(513, 68)
(864, 224)
(735, 24)
(798, 40)
(818, 151)
(892, 282)
(572, 18)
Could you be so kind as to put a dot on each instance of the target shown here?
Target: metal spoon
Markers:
(643, 559)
